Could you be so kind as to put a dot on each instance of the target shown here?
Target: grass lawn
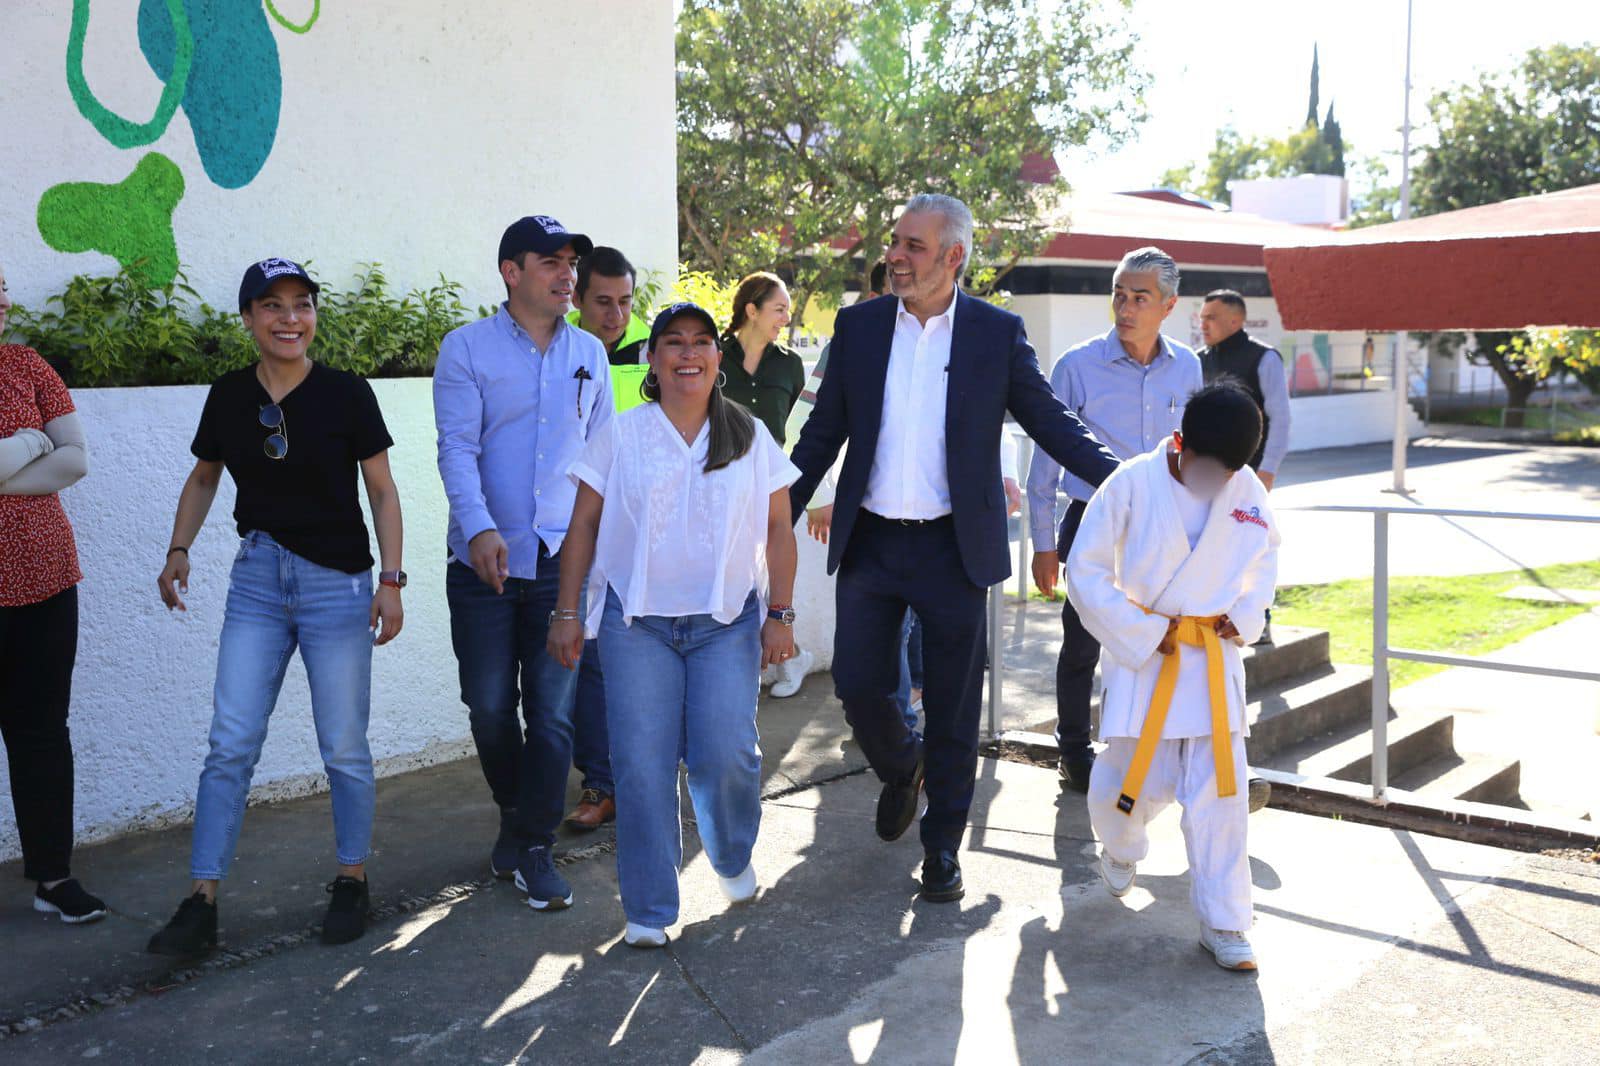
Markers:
(1461, 615)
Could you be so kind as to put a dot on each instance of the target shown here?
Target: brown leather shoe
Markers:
(595, 809)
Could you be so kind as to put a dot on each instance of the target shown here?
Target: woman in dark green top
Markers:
(767, 378)
(762, 374)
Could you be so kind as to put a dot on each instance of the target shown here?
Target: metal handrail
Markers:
(1382, 652)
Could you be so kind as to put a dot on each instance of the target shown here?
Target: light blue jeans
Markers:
(681, 690)
(278, 601)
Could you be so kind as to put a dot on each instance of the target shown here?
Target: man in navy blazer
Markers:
(919, 383)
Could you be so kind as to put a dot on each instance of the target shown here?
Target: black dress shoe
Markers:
(897, 805)
(941, 877)
(1074, 770)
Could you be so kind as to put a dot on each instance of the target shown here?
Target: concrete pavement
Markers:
(1374, 944)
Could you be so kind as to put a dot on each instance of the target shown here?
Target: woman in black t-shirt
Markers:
(292, 435)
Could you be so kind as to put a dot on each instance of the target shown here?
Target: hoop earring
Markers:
(722, 378)
(650, 379)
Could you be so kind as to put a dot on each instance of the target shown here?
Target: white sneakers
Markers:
(740, 887)
(791, 673)
(1118, 876)
(643, 936)
(1230, 949)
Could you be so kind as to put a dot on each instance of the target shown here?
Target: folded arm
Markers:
(63, 460)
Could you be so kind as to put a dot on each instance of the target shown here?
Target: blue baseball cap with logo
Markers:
(260, 277)
(542, 235)
(682, 309)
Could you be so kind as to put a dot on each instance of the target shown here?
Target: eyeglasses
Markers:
(277, 443)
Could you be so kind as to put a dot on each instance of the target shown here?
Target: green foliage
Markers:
(806, 122)
(112, 331)
(1235, 157)
(1315, 148)
(706, 289)
(1534, 129)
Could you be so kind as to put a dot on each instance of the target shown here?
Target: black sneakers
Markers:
(70, 901)
(347, 911)
(192, 931)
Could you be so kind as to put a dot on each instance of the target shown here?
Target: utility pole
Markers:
(1401, 386)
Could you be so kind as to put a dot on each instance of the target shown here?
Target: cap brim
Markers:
(554, 242)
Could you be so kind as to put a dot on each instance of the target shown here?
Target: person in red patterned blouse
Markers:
(42, 451)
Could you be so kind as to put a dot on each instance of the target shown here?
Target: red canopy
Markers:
(1533, 261)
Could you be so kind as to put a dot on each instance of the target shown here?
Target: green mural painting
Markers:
(218, 60)
(73, 218)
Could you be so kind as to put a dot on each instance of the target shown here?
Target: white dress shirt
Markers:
(675, 541)
(909, 478)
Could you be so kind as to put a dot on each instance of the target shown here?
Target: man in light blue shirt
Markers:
(1129, 387)
(515, 398)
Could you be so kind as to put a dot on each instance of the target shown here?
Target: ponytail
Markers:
(733, 431)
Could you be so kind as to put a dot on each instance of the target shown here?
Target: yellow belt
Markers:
(1197, 632)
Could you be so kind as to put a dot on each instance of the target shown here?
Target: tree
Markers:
(1534, 129)
(805, 123)
(1315, 148)
(1236, 157)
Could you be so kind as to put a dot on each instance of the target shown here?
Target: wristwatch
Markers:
(781, 612)
(395, 579)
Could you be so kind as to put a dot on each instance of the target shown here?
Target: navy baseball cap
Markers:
(263, 275)
(679, 310)
(541, 234)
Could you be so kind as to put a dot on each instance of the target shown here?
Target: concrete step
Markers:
(1346, 754)
(1318, 702)
(1477, 778)
(1295, 650)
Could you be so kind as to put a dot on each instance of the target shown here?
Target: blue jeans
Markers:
(591, 741)
(278, 601)
(500, 649)
(681, 689)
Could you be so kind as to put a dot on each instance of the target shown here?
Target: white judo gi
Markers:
(1132, 552)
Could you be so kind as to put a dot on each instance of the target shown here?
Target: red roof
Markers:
(1524, 262)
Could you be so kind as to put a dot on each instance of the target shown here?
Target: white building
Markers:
(1338, 382)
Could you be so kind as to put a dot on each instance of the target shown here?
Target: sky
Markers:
(1248, 62)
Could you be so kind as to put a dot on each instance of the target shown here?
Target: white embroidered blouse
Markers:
(675, 540)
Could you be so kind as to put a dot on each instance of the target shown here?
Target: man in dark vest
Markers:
(1231, 352)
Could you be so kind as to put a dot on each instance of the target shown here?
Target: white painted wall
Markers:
(411, 133)
(1347, 418)
(1308, 199)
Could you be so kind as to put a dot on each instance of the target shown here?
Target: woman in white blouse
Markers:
(682, 526)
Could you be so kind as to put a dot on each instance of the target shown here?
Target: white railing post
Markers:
(1380, 654)
(995, 593)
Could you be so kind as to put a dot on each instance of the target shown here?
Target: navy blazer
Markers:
(992, 370)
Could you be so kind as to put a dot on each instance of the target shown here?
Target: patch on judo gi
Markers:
(1253, 516)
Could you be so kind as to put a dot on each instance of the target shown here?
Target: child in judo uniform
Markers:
(1172, 571)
